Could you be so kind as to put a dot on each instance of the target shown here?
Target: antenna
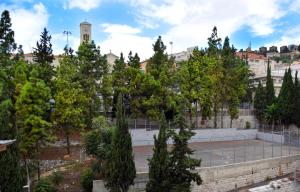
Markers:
(67, 33)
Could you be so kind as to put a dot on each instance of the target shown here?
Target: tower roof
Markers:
(85, 23)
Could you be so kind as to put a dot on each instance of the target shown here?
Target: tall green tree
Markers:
(181, 164)
(10, 159)
(43, 57)
(159, 79)
(270, 92)
(160, 161)
(296, 108)
(260, 102)
(285, 98)
(31, 107)
(70, 99)
(216, 72)
(121, 168)
(92, 67)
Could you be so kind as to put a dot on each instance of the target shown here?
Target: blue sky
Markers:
(124, 25)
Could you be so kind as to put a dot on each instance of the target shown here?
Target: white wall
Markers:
(142, 137)
(268, 137)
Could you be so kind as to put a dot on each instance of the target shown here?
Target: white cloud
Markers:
(85, 5)
(190, 22)
(116, 28)
(27, 23)
(59, 41)
(124, 38)
(291, 36)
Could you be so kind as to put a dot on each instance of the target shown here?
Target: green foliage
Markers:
(43, 185)
(31, 107)
(98, 141)
(159, 163)
(43, 57)
(296, 107)
(56, 177)
(92, 67)
(270, 92)
(260, 102)
(86, 180)
(181, 164)
(120, 167)
(70, 99)
(10, 159)
(286, 98)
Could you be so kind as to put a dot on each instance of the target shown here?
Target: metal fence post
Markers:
(245, 149)
(289, 141)
(282, 135)
(263, 143)
(210, 154)
(272, 142)
(233, 151)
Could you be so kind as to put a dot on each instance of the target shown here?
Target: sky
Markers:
(134, 25)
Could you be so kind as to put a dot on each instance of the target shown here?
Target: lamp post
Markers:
(67, 33)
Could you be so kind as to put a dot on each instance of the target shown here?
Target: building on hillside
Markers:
(85, 32)
(28, 57)
(111, 58)
(183, 55)
(143, 65)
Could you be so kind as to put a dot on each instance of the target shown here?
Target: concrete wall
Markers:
(268, 137)
(143, 137)
(227, 177)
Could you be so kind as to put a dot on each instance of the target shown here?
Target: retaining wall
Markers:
(142, 137)
(227, 177)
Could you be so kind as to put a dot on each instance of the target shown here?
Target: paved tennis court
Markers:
(223, 152)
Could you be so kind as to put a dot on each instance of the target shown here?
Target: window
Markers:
(86, 37)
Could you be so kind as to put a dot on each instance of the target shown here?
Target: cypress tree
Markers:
(159, 163)
(181, 164)
(259, 102)
(270, 92)
(121, 168)
(296, 109)
(285, 98)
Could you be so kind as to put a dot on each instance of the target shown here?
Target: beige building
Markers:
(111, 58)
(85, 32)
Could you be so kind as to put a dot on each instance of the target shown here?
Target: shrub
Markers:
(56, 177)
(43, 185)
(86, 180)
(248, 125)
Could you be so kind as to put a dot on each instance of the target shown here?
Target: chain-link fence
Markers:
(216, 151)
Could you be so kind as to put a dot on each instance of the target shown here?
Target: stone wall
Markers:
(227, 177)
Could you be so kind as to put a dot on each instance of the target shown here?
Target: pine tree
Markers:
(43, 57)
(92, 67)
(121, 168)
(181, 164)
(270, 92)
(9, 160)
(134, 61)
(159, 163)
(31, 107)
(70, 100)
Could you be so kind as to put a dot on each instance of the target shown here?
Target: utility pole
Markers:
(67, 33)
(171, 43)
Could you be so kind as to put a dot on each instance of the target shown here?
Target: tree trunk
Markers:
(222, 110)
(230, 122)
(196, 126)
(68, 143)
(38, 162)
(191, 116)
(215, 119)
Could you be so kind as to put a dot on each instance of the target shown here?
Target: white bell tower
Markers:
(85, 32)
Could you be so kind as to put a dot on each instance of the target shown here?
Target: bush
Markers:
(43, 185)
(100, 122)
(56, 177)
(86, 180)
(248, 125)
